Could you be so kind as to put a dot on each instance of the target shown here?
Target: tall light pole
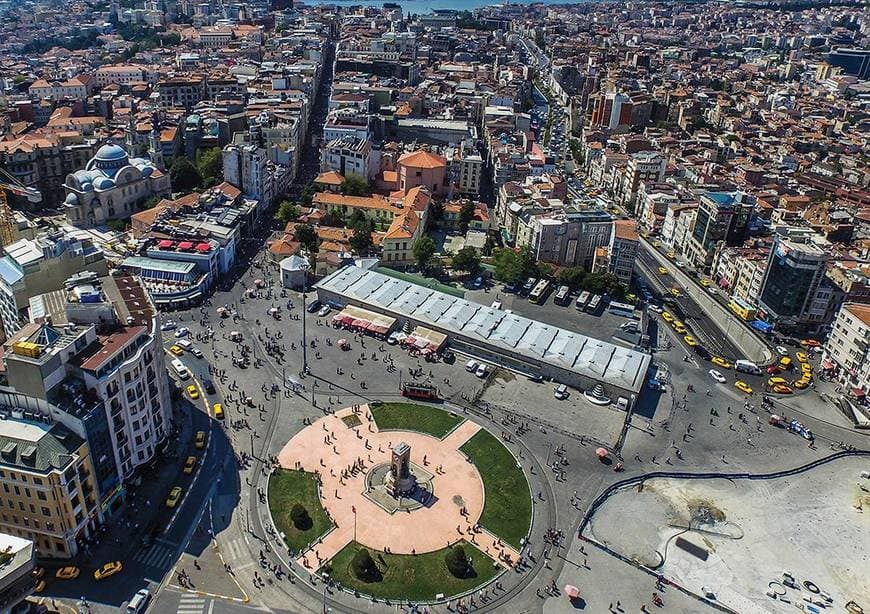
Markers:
(304, 312)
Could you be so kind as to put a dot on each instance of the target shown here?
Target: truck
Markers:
(747, 366)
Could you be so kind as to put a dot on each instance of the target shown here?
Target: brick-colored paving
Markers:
(456, 483)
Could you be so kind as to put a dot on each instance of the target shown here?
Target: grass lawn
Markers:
(287, 488)
(413, 417)
(507, 510)
(414, 577)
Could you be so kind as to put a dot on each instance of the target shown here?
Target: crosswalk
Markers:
(193, 604)
(157, 555)
(234, 549)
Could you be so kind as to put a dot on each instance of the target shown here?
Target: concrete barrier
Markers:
(744, 338)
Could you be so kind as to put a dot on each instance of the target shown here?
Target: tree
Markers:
(287, 212)
(354, 185)
(361, 239)
(307, 236)
(528, 263)
(183, 175)
(307, 195)
(574, 277)
(299, 515)
(364, 567)
(466, 214)
(467, 259)
(424, 249)
(507, 265)
(458, 563)
(209, 163)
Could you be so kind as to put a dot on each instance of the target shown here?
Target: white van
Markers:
(746, 366)
(561, 392)
(139, 601)
(471, 366)
(185, 344)
(180, 369)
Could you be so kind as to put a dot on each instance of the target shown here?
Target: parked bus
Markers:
(180, 369)
(582, 300)
(593, 305)
(539, 293)
(419, 391)
(746, 366)
(563, 296)
(622, 309)
(741, 309)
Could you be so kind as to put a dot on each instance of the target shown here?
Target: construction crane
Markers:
(7, 219)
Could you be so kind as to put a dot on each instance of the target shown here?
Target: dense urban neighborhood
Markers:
(364, 307)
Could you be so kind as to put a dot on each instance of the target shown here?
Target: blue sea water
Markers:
(425, 6)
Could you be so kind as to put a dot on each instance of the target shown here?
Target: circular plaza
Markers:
(401, 501)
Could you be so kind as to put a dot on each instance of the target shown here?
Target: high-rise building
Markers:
(847, 350)
(792, 293)
(722, 216)
(852, 61)
(570, 238)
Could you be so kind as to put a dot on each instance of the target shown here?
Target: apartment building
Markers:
(350, 156)
(644, 166)
(47, 488)
(622, 250)
(722, 216)
(182, 92)
(469, 172)
(846, 350)
(103, 339)
(16, 576)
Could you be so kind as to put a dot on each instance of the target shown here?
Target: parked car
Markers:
(209, 386)
(168, 325)
(109, 569)
(182, 332)
(471, 366)
(324, 311)
(481, 371)
(561, 392)
(174, 496)
(313, 306)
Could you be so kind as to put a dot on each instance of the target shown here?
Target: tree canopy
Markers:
(307, 236)
(209, 163)
(361, 239)
(467, 259)
(287, 212)
(424, 250)
(354, 185)
(183, 175)
(466, 214)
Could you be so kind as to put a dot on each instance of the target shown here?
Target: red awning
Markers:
(827, 364)
(857, 392)
(185, 245)
(165, 244)
(203, 247)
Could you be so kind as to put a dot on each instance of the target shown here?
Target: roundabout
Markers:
(399, 502)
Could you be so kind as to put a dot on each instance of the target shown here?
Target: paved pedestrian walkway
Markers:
(329, 446)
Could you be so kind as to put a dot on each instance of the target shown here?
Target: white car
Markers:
(182, 332)
(481, 371)
(168, 325)
(393, 339)
(324, 311)
(712, 290)
(782, 350)
(655, 308)
(717, 376)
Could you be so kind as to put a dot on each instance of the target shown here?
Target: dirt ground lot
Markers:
(815, 525)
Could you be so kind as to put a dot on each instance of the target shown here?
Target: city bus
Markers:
(563, 295)
(741, 309)
(582, 300)
(539, 293)
(594, 303)
(622, 309)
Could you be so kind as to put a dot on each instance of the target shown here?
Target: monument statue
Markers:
(400, 480)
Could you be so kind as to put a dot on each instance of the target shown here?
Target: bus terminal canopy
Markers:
(357, 318)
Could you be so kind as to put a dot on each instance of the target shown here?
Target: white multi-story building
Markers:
(847, 347)
(104, 340)
(350, 156)
(646, 166)
(248, 168)
(470, 172)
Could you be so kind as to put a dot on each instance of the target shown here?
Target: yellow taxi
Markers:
(109, 569)
(801, 357)
(806, 367)
(193, 392)
(810, 343)
(174, 496)
(680, 329)
(656, 243)
(667, 317)
(743, 387)
(672, 255)
(218, 411)
(801, 383)
(663, 270)
(776, 381)
(614, 211)
(690, 341)
(675, 292)
(40, 586)
(38, 573)
(705, 283)
(782, 389)
(67, 573)
(200, 440)
(189, 464)
(721, 362)
(175, 349)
